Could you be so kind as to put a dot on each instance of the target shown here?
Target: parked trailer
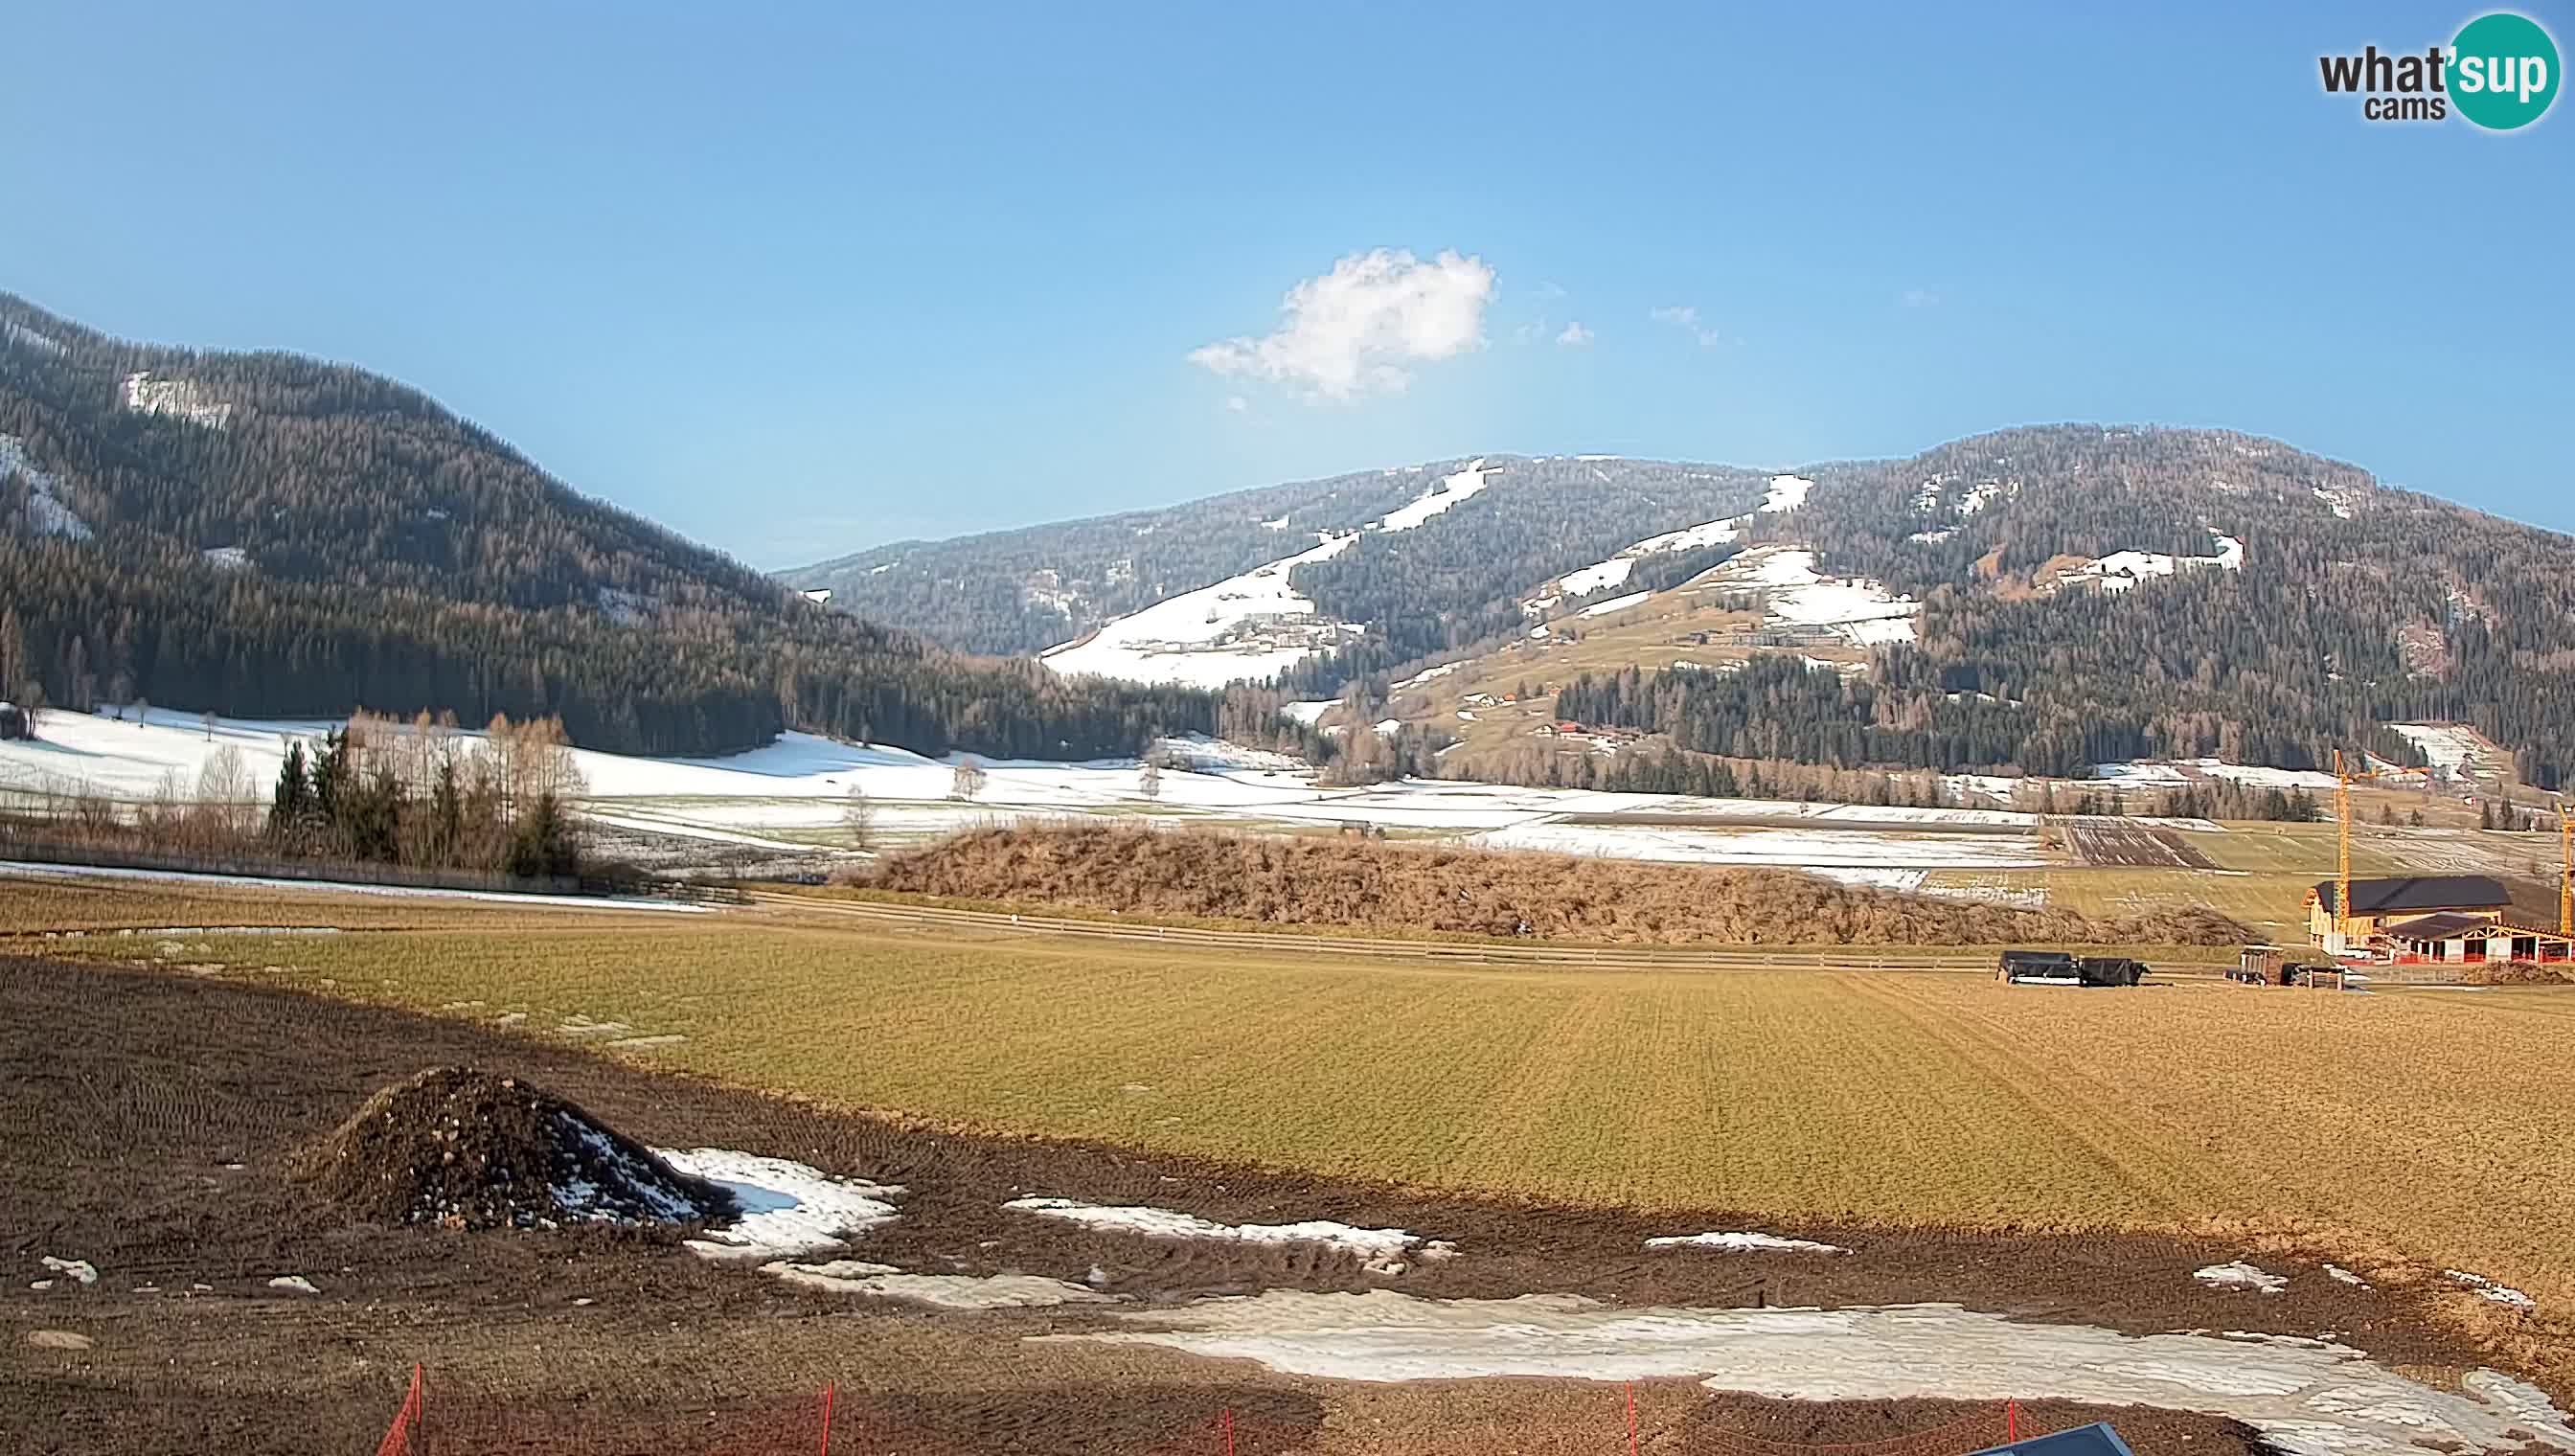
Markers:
(2060, 969)
(2269, 965)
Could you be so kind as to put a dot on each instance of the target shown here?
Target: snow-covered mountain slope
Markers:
(1602, 575)
(1247, 627)
(1512, 520)
(2029, 597)
(1861, 611)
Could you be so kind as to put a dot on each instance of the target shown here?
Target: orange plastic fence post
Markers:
(2011, 1420)
(828, 1392)
(402, 1434)
(1225, 1418)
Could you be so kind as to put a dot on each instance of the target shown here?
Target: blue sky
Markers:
(815, 276)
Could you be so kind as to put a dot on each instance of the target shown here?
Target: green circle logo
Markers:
(2503, 71)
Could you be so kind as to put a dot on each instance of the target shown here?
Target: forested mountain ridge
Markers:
(2094, 593)
(1025, 590)
(274, 535)
(1022, 590)
(2086, 593)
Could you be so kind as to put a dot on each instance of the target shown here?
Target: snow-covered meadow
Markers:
(797, 794)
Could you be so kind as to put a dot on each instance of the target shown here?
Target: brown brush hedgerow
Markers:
(1445, 888)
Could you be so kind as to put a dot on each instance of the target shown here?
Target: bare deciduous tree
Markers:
(859, 817)
(967, 782)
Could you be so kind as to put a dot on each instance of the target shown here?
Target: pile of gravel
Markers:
(465, 1148)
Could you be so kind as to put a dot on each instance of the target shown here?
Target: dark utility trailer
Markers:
(2059, 969)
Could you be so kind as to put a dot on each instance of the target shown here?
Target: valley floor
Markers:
(789, 807)
(153, 1113)
(2405, 1130)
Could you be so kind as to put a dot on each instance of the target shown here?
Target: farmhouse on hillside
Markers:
(2433, 918)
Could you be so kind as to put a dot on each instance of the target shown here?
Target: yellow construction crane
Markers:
(2566, 875)
(2343, 780)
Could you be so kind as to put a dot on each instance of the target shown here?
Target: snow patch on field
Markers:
(788, 1211)
(1857, 610)
(2449, 747)
(2490, 1290)
(948, 1291)
(2336, 501)
(1251, 626)
(1746, 1243)
(1440, 498)
(79, 1271)
(2147, 773)
(1307, 711)
(1616, 604)
(2261, 777)
(1823, 851)
(2123, 569)
(2241, 1275)
(2308, 1397)
(1379, 1251)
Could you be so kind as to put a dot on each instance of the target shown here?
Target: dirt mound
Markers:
(1205, 875)
(472, 1149)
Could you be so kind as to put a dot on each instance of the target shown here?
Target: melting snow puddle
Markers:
(2308, 1397)
(2241, 1275)
(1747, 1243)
(292, 1284)
(949, 1291)
(2341, 1275)
(1380, 1250)
(2488, 1289)
(788, 1211)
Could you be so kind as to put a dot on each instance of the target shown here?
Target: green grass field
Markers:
(2427, 1122)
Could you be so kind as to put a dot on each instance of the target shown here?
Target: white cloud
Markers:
(1236, 403)
(1918, 298)
(1352, 331)
(1685, 317)
(1575, 336)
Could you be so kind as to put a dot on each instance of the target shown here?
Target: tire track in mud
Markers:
(2079, 1109)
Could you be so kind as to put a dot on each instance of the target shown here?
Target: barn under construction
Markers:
(2429, 920)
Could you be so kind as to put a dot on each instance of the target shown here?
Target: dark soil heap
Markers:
(466, 1148)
